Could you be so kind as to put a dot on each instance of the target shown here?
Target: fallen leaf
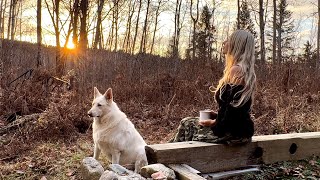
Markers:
(312, 162)
(20, 172)
(70, 172)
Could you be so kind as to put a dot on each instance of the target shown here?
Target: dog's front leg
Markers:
(116, 157)
(140, 162)
(96, 152)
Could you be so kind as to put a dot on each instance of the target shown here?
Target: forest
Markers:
(159, 57)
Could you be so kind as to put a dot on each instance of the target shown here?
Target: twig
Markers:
(11, 139)
(18, 122)
(168, 106)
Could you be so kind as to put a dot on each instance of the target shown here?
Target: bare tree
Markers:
(67, 33)
(157, 14)
(2, 10)
(279, 26)
(39, 37)
(262, 37)
(274, 28)
(113, 35)
(116, 22)
(195, 21)
(144, 32)
(12, 19)
(74, 21)
(83, 41)
(97, 39)
(55, 18)
(177, 29)
(318, 37)
(127, 37)
(136, 28)
(110, 37)
(238, 14)
(2, 19)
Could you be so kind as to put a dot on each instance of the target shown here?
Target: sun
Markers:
(70, 45)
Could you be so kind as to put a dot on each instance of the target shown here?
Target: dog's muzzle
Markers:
(90, 114)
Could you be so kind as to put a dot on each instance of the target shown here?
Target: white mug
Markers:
(205, 114)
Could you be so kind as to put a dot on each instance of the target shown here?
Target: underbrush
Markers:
(154, 92)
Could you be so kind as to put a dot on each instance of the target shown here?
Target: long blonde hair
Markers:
(240, 53)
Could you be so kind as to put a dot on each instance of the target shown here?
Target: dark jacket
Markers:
(235, 121)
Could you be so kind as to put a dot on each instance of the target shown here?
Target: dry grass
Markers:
(154, 92)
(58, 160)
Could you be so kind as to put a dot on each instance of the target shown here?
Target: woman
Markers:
(232, 123)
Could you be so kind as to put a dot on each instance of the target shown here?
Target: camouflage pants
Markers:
(189, 130)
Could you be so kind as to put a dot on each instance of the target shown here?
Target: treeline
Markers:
(133, 26)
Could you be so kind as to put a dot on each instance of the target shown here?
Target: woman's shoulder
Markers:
(236, 75)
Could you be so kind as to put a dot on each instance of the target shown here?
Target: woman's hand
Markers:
(213, 115)
(207, 122)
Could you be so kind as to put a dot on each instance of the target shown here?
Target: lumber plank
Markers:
(210, 157)
(228, 174)
(184, 173)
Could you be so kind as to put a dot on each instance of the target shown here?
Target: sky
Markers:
(226, 11)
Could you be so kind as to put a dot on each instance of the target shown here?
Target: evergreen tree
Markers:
(307, 52)
(284, 26)
(205, 35)
(285, 32)
(246, 23)
(309, 56)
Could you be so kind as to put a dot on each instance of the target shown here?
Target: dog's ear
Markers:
(96, 92)
(108, 94)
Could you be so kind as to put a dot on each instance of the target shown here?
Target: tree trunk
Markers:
(177, 28)
(116, 20)
(262, 40)
(20, 20)
(83, 43)
(2, 19)
(238, 14)
(75, 23)
(39, 37)
(59, 63)
(13, 19)
(274, 37)
(177, 42)
(144, 32)
(9, 20)
(318, 39)
(279, 28)
(1, 11)
(136, 28)
(126, 41)
(110, 37)
(195, 21)
(97, 39)
(155, 25)
(55, 18)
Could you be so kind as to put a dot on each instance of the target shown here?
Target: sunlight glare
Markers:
(70, 45)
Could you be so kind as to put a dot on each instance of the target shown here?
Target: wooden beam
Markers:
(184, 173)
(285, 147)
(210, 157)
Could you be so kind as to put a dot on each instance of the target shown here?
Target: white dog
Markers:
(114, 134)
